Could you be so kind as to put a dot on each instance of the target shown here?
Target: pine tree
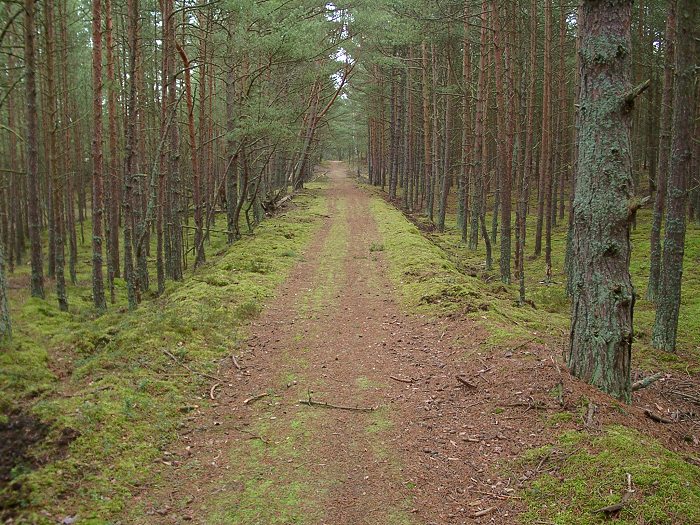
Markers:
(602, 293)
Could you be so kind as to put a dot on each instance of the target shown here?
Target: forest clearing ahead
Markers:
(484, 309)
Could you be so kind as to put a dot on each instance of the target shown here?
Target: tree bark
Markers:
(669, 291)
(664, 153)
(32, 154)
(602, 293)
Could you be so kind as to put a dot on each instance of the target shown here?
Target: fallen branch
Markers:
(183, 365)
(655, 417)
(645, 382)
(522, 344)
(235, 362)
(538, 405)
(401, 380)
(483, 512)
(686, 396)
(252, 435)
(212, 390)
(253, 399)
(464, 381)
(610, 509)
(322, 404)
(617, 506)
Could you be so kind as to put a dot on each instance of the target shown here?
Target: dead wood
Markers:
(183, 365)
(645, 382)
(401, 380)
(656, 417)
(212, 390)
(252, 435)
(610, 509)
(464, 381)
(253, 399)
(483, 512)
(323, 404)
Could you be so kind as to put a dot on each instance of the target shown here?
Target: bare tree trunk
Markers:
(112, 221)
(37, 277)
(684, 102)
(664, 153)
(57, 181)
(98, 292)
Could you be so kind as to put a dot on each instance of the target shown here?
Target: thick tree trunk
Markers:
(684, 102)
(602, 293)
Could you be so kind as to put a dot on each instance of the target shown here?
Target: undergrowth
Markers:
(120, 381)
(585, 473)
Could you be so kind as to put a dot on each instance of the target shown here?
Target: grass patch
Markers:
(110, 380)
(592, 474)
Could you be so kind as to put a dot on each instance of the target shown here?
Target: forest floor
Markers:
(427, 425)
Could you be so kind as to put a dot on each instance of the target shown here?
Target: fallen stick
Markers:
(212, 390)
(252, 435)
(645, 382)
(655, 417)
(253, 399)
(401, 380)
(322, 404)
(686, 396)
(524, 343)
(483, 512)
(617, 506)
(183, 365)
(235, 362)
(464, 381)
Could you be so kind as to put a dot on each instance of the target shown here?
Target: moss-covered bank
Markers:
(114, 381)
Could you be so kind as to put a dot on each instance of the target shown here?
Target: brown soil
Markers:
(433, 453)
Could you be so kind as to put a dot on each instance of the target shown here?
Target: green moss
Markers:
(590, 473)
(123, 389)
(427, 280)
(379, 421)
(559, 417)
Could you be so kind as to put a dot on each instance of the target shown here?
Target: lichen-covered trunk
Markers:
(684, 101)
(32, 155)
(602, 292)
(664, 153)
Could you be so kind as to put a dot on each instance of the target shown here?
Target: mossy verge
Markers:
(426, 279)
(117, 380)
(590, 472)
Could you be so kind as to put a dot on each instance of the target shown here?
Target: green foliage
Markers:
(591, 473)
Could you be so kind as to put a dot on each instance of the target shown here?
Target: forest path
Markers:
(335, 332)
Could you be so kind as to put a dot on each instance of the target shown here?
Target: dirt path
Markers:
(428, 453)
